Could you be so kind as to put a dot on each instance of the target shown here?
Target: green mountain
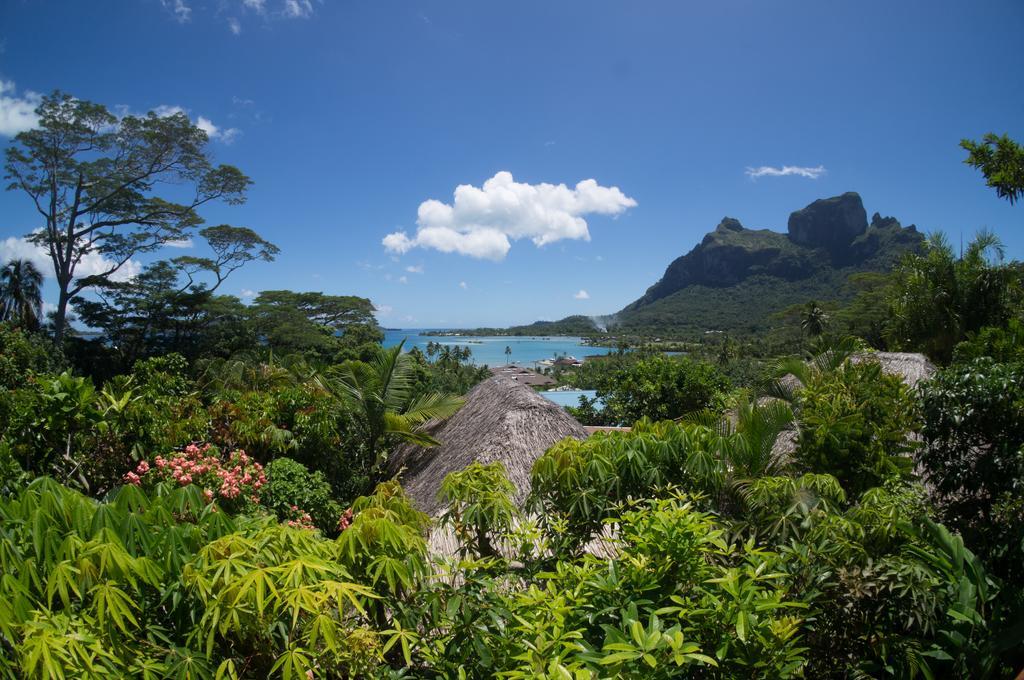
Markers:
(737, 278)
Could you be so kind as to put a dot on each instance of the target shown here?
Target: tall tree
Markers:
(21, 299)
(1001, 160)
(112, 188)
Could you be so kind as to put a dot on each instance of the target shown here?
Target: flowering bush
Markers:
(299, 518)
(234, 480)
(292, 491)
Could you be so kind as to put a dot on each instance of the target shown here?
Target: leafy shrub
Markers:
(973, 458)
(480, 507)
(1000, 343)
(855, 424)
(24, 354)
(291, 488)
(661, 388)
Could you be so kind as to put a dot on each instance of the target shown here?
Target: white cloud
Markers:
(415, 269)
(403, 279)
(235, 25)
(383, 310)
(482, 222)
(182, 12)
(297, 9)
(259, 6)
(462, 285)
(226, 135)
(582, 295)
(784, 171)
(181, 243)
(17, 114)
(247, 294)
(14, 248)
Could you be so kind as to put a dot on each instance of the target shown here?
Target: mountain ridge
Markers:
(736, 278)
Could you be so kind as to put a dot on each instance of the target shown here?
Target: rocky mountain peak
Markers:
(830, 223)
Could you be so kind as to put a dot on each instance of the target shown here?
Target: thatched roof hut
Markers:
(910, 367)
(502, 420)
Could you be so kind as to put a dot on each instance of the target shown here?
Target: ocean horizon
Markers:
(490, 350)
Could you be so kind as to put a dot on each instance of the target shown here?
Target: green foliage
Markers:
(480, 507)
(855, 423)
(1001, 161)
(328, 328)
(661, 388)
(290, 485)
(24, 355)
(936, 299)
(1002, 344)
(380, 395)
(973, 457)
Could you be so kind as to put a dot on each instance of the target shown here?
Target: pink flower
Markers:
(143, 468)
(132, 478)
(208, 495)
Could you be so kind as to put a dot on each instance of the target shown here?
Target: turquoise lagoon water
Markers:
(572, 397)
(490, 350)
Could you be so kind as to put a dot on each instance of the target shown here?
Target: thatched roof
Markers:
(911, 368)
(502, 420)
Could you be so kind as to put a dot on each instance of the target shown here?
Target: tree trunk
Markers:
(60, 315)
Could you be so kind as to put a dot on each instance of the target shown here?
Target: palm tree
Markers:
(379, 392)
(793, 373)
(814, 319)
(936, 298)
(21, 298)
(508, 354)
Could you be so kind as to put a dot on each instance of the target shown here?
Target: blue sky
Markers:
(349, 115)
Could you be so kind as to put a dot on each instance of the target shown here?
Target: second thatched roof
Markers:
(502, 420)
(909, 367)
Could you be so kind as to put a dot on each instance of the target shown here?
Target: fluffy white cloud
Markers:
(247, 294)
(17, 114)
(482, 222)
(181, 243)
(415, 269)
(403, 279)
(383, 310)
(582, 295)
(14, 248)
(784, 171)
(226, 135)
(235, 25)
(259, 6)
(462, 285)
